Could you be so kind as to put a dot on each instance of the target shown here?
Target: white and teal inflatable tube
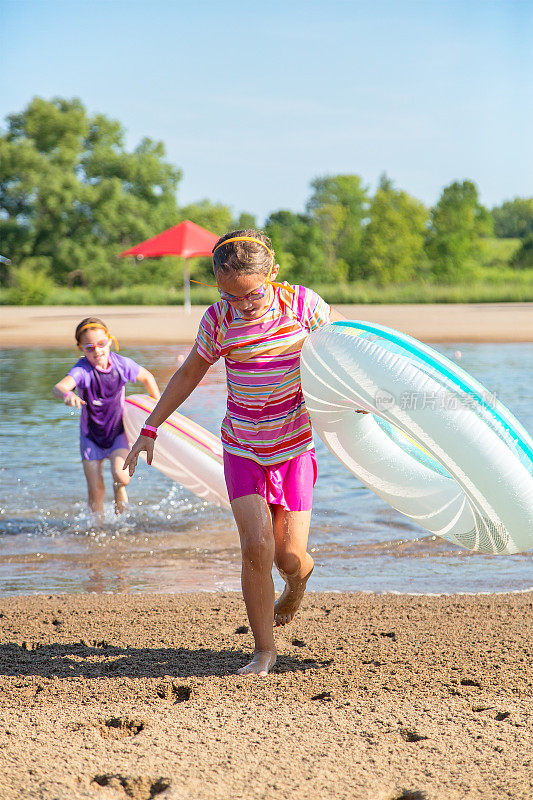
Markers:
(435, 444)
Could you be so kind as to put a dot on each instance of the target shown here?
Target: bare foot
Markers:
(261, 663)
(97, 519)
(289, 601)
(121, 497)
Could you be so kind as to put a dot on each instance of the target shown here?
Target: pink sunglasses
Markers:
(89, 348)
(256, 294)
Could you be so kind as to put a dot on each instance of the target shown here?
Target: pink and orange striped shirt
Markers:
(266, 418)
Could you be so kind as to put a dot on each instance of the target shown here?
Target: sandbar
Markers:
(53, 326)
(374, 697)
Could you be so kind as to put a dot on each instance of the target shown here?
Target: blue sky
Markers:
(254, 100)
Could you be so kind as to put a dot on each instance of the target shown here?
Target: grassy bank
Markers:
(496, 286)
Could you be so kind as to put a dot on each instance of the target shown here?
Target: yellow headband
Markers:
(246, 239)
(98, 325)
(258, 241)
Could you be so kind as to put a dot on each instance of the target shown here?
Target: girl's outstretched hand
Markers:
(143, 443)
(73, 400)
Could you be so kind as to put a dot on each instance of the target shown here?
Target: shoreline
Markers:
(31, 326)
(25, 595)
(378, 697)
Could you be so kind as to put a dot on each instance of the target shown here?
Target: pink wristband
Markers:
(67, 394)
(150, 428)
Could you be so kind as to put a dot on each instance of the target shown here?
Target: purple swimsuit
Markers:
(101, 426)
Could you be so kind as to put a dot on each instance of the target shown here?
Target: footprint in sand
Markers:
(322, 696)
(177, 692)
(411, 735)
(120, 728)
(242, 629)
(502, 715)
(137, 788)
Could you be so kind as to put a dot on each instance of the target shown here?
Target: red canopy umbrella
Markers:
(186, 240)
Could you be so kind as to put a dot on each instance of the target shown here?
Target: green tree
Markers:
(245, 222)
(298, 242)
(458, 221)
(72, 197)
(216, 217)
(339, 205)
(394, 238)
(514, 218)
(30, 285)
(523, 258)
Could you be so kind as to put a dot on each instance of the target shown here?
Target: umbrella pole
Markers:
(187, 288)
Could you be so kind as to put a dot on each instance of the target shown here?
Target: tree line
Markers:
(72, 197)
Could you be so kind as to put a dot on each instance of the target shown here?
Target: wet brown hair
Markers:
(94, 322)
(245, 257)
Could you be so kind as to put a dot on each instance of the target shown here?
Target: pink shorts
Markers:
(289, 484)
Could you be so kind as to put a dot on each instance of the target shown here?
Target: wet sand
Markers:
(375, 697)
(53, 326)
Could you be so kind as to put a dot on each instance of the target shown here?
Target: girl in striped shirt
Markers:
(258, 326)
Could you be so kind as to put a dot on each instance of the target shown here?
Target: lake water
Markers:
(169, 540)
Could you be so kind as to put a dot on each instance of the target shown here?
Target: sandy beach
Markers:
(53, 326)
(375, 697)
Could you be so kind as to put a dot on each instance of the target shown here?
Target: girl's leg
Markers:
(95, 484)
(121, 478)
(295, 565)
(254, 522)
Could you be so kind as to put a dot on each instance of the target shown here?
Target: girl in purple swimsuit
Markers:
(99, 378)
